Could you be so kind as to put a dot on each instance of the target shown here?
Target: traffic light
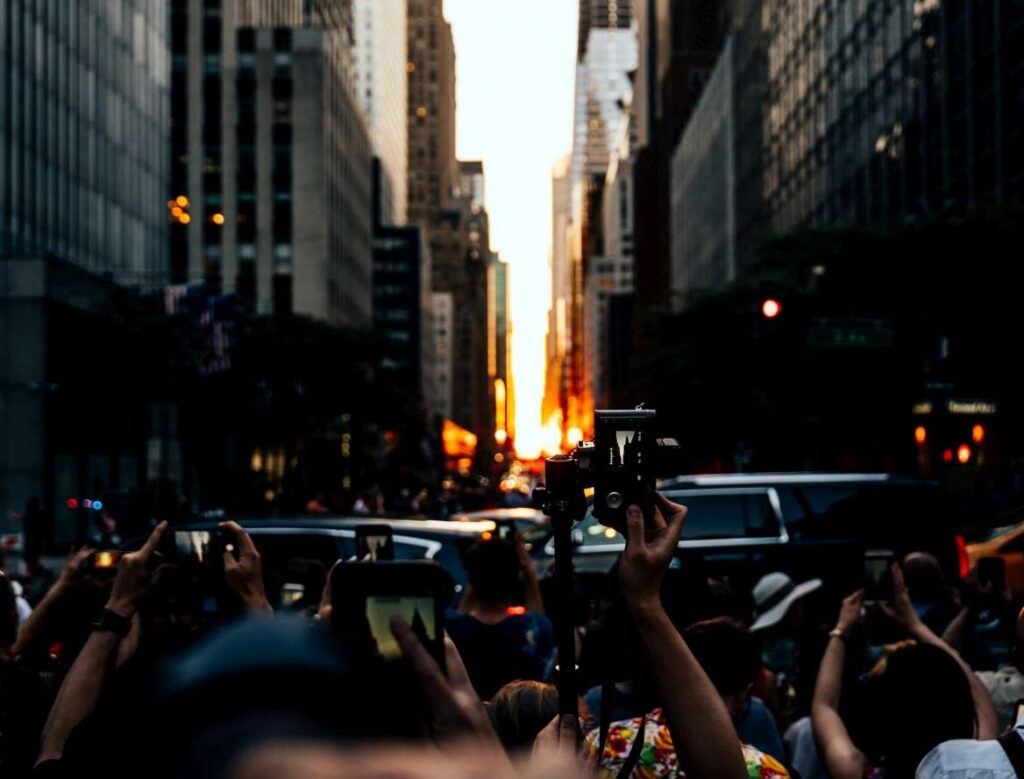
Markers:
(771, 308)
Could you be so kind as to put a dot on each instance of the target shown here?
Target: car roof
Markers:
(520, 512)
(405, 525)
(750, 479)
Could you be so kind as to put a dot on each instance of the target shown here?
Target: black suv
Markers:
(808, 524)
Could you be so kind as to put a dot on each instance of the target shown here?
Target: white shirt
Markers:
(967, 758)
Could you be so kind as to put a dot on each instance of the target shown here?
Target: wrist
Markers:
(645, 607)
(122, 607)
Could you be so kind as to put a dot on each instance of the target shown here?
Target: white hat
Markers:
(773, 596)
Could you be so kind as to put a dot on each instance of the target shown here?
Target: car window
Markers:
(747, 514)
(406, 551)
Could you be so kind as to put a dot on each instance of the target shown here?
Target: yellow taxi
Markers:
(1003, 537)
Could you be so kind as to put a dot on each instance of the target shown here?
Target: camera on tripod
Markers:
(622, 464)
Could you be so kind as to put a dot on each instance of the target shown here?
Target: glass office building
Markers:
(84, 134)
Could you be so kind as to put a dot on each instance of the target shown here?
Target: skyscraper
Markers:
(431, 109)
(83, 190)
(272, 154)
(84, 135)
(381, 86)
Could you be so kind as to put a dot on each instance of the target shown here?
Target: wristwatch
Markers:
(837, 633)
(114, 622)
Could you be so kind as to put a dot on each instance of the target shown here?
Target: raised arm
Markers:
(35, 629)
(531, 584)
(702, 731)
(841, 757)
(89, 673)
(902, 610)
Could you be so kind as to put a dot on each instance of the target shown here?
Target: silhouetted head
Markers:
(520, 710)
(924, 577)
(923, 698)
(729, 654)
(492, 568)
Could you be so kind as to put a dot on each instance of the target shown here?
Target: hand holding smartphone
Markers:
(877, 575)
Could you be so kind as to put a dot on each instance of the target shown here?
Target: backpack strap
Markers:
(1013, 746)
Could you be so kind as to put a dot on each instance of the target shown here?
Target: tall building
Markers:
(719, 217)
(272, 156)
(500, 353)
(601, 14)
(431, 109)
(381, 85)
(679, 42)
(883, 111)
(602, 90)
(442, 330)
(84, 136)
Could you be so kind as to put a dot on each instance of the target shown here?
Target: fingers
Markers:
(635, 527)
(899, 584)
(153, 541)
(433, 681)
(458, 676)
(676, 520)
(245, 545)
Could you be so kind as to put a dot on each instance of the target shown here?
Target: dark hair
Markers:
(492, 567)
(728, 653)
(520, 710)
(923, 699)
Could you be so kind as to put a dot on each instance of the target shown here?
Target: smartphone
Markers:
(292, 593)
(877, 576)
(505, 530)
(623, 468)
(992, 573)
(105, 561)
(365, 598)
(374, 542)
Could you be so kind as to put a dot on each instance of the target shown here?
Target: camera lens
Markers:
(614, 500)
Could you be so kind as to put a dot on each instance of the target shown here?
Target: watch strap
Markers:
(114, 622)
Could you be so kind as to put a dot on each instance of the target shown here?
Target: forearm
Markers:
(79, 692)
(984, 710)
(702, 731)
(957, 629)
(829, 684)
(33, 631)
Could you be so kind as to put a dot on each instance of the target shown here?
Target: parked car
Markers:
(288, 545)
(742, 526)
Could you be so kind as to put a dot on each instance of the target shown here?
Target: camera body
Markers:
(621, 464)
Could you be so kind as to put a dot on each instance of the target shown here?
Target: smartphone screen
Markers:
(193, 544)
(1018, 714)
(877, 582)
(292, 593)
(506, 530)
(417, 611)
(374, 542)
(367, 596)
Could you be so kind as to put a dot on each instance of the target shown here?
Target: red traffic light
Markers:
(771, 308)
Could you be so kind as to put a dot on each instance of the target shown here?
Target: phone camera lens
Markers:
(614, 500)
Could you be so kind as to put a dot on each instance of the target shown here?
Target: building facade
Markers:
(381, 85)
(500, 353)
(271, 157)
(84, 132)
(442, 329)
(879, 111)
(431, 109)
(84, 135)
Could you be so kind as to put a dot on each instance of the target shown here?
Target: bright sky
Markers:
(514, 72)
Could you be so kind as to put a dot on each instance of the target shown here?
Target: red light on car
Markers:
(947, 456)
(516, 611)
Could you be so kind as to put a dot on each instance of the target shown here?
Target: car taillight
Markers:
(963, 561)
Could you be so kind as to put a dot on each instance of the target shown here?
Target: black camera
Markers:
(621, 464)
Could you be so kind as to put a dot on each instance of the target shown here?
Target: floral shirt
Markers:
(658, 757)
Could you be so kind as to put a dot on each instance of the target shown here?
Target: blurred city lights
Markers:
(947, 456)
(963, 454)
(978, 434)
(182, 201)
(217, 219)
(72, 503)
(920, 434)
(771, 308)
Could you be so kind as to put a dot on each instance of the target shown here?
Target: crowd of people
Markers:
(133, 673)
